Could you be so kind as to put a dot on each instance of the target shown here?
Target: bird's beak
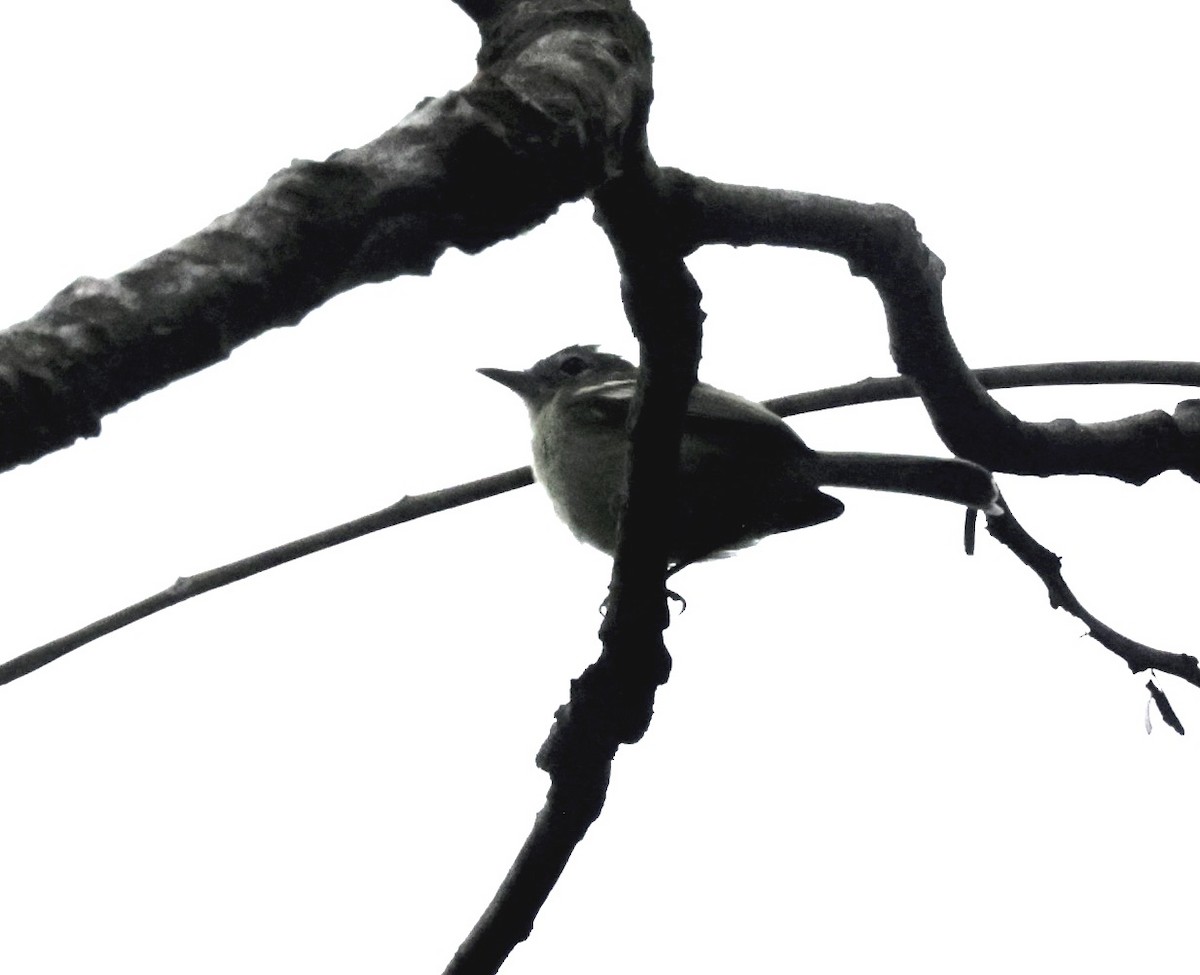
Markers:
(521, 383)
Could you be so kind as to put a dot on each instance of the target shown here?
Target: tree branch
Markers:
(1007, 530)
(408, 508)
(611, 702)
(881, 243)
(561, 87)
(1093, 373)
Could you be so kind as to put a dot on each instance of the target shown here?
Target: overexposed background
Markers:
(873, 752)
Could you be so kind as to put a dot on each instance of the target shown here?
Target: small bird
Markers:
(744, 474)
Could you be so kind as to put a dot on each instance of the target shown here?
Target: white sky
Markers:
(873, 754)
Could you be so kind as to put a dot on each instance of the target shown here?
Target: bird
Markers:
(744, 473)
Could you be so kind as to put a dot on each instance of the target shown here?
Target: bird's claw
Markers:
(670, 595)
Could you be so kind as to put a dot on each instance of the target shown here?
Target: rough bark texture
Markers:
(562, 89)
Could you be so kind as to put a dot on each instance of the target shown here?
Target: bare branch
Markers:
(612, 701)
(562, 84)
(406, 509)
(863, 391)
(881, 243)
(1087, 373)
(1006, 529)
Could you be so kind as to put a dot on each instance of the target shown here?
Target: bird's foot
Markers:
(670, 595)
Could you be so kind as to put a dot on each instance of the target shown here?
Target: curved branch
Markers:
(561, 87)
(1048, 566)
(881, 243)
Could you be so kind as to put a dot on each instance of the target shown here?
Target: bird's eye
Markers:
(573, 365)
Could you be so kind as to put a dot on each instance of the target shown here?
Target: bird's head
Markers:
(574, 366)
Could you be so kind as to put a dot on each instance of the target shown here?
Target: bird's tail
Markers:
(946, 479)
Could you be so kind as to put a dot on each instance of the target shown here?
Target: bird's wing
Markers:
(737, 425)
(720, 420)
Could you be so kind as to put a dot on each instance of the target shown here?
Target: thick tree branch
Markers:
(563, 87)
(881, 243)
(611, 702)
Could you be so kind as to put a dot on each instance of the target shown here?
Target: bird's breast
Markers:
(584, 476)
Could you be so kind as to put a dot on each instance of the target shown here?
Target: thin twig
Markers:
(1093, 373)
(406, 509)
(1006, 529)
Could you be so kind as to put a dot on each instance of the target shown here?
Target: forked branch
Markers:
(1006, 529)
(881, 243)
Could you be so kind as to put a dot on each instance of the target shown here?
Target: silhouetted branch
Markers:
(562, 85)
(611, 702)
(1006, 529)
(881, 243)
(406, 509)
(863, 391)
(997, 377)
